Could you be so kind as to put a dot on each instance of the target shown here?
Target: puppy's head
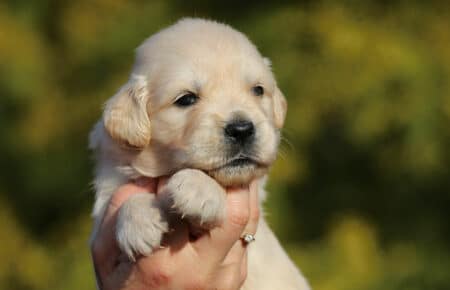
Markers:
(200, 96)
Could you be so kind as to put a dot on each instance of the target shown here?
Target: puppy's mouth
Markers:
(240, 162)
(238, 170)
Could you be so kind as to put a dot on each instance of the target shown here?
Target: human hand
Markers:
(215, 260)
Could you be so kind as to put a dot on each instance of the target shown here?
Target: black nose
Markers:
(240, 130)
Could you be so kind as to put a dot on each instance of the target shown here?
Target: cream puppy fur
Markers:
(202, 106)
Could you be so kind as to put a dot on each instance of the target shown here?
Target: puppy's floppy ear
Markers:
(279, 108)
(125, 116)
(279, 101)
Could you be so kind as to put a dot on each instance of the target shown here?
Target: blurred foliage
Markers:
(361, 191)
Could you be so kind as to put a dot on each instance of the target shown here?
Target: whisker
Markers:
(288, 143)
(282, 154)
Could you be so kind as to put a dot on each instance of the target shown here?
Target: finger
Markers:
(244, 267)
(235, 255)
(231, 276)
(106, 234)
(252, 225)
(104, 246)
(168, 255)
(124, 192)
(217, 243)
(238, 251)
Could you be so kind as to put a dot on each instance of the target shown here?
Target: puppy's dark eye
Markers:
(186, 100)
(258, 90)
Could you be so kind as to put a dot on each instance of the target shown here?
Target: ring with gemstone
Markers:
(248, 238)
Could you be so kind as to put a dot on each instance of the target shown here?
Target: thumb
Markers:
(104, 246)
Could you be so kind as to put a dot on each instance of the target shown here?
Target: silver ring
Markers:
(248, 238)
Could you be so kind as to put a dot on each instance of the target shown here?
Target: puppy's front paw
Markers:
(140, 225)
(197, 197)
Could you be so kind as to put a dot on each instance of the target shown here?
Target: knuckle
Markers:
(159, 278)
(124, 193)
(118, 198)
(239, 218)
(256, 212)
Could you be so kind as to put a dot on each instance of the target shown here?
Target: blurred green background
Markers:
(360, 195)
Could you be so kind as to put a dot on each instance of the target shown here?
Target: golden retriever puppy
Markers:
(202, 106)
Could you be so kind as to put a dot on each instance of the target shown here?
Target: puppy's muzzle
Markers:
(240, 132)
